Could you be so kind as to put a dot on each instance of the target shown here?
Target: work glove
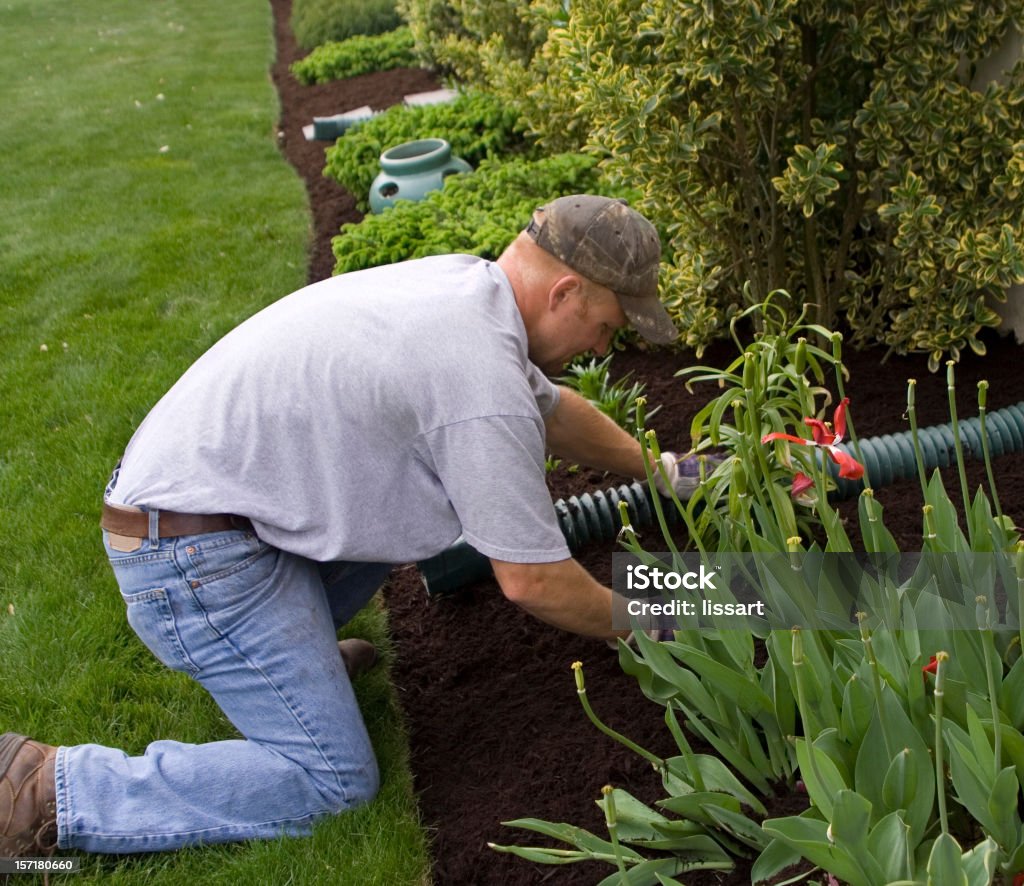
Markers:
(683, 472)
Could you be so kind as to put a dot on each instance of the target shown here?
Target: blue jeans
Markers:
(256, 627)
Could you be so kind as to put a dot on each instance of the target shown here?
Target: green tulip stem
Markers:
(613, 826)
(651, 449)
(930, 535)
(759, 463)
(1018, 550)
(988, 640)
(912, 415)
(982, 397)
(800, 365)
(940, 783)
(871, 530)
(684, 747)
(581, 691)
(951, 391)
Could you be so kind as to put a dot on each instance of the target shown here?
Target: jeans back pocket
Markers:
(152, 617)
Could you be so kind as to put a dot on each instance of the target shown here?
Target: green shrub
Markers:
(321, 21)
(356, 55)
(476, 125)
(460, 35)
(478, 213)
(431, 22)
(837, 144)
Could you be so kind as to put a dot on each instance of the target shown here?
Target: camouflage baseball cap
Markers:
(613, 245)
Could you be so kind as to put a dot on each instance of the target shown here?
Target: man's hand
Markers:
(683, 473)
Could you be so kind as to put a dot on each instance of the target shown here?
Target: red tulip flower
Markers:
(931, 668)
(827, 437)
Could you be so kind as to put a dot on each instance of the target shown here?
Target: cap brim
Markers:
(650, 319)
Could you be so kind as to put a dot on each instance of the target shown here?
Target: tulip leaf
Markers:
(969, 656)
(900, 783)
(1013, 749)
(541, 855)
(717, 777)
(858, 707)
(982, 861)
(738, 646)
(727, 748)
(696, 806)
(1002, 808)
(777, 856)
(809, 837)
(821, 791)
(725, 682)
(654, 686)
(984, 757)
(775, 681)
(741, 827)
(654, 871)
(889, 844)
(890, 657)
(835, 532)
(870, 771)
(636, 820)
(850, 825)
(1011, 694)
(945, 863)
(879, 540)
(949, 536)
(576, 836)
(973, 786)
(752, 747)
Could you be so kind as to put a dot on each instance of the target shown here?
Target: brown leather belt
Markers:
(134, 523)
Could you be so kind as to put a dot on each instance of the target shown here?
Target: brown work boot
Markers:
(359, 656)
(28, 798)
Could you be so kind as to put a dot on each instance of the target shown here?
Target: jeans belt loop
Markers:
(154, 528)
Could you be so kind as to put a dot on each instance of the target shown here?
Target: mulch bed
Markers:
(496, 729)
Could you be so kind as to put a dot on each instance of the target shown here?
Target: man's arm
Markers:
(562, 594)
(579, 432)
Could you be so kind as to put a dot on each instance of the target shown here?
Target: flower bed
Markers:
(496, 729)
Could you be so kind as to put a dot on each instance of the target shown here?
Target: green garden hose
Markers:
(888, 458)
(593, 516)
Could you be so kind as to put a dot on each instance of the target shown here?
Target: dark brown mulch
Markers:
(496, 729)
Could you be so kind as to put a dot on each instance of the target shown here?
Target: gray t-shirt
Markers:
(374, 416)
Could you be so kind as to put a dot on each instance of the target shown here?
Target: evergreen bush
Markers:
(320, 21)
(361, 54)
(478, 213)
(847, 152)
(838, 149)
(477, 125)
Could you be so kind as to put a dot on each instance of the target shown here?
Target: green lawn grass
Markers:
(144, 211)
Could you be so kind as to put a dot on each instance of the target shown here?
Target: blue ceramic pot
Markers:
(413, 169)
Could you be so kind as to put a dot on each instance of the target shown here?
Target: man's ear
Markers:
(563, 290)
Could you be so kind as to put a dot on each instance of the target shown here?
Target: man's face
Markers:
(581, 318)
